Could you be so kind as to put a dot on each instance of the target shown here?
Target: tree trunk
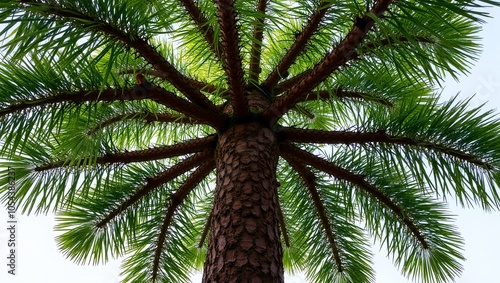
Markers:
(244, 244)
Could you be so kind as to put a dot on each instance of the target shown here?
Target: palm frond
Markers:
(111, 111)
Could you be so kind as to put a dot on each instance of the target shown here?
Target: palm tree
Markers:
(246, 136)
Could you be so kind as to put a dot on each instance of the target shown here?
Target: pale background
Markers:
(39, 261)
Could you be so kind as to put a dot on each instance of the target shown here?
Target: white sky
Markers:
(39, 260)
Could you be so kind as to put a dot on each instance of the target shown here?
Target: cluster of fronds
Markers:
(127, 165)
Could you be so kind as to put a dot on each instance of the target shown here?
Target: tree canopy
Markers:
(110, 111)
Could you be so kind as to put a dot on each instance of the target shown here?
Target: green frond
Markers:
(452, 128)
(43, 28)
(79, 238)
(29, 103)
(423, 43)
(176, 258)
(441, 260)
(69, 95)
(50, 179)
(432, 255)
(179, 253)
(80, 219)
(312, 251)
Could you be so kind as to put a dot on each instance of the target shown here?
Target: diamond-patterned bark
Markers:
(244, 244)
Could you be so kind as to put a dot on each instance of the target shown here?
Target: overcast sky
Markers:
(39, 261)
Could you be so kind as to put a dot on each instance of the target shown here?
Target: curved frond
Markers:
(346, 260)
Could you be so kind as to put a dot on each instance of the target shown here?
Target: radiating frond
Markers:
(111, 112)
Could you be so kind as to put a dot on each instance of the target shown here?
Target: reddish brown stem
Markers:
(346, 137)
(203, 115)
(309, 179)
(283, 226)
(367, 48)
(176, 199)
(205, 231)
(358, 181)
(287, 84)
(341, 93)
(153, 183)
(232, 57)
(162, 152)
(329, 64)
(258, 34)
(107, 95)
(389, 41)
(206, 87)
(147, 117)
(203, 25)
(297, 46)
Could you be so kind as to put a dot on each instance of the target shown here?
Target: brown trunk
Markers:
(244, 244)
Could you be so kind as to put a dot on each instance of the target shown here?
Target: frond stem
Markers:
(389, 41)
(177, 199)
(357, 180)
(329, 64)
(82, 96)
(289, 83)
(341, 93)
(297, 46)
(204, 234)
(309, 179)
(258, 34)
(201, 114)
(152, 183)
(156, 153)
(204, 27)
(202, 86)
(284, 231)
(146, 116)
(233, 64)
(347, 137)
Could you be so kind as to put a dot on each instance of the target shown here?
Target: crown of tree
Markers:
(250, 137)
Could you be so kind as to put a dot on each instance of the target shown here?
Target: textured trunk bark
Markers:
(244, 244)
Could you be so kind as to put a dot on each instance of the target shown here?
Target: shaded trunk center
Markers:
(244, 243)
